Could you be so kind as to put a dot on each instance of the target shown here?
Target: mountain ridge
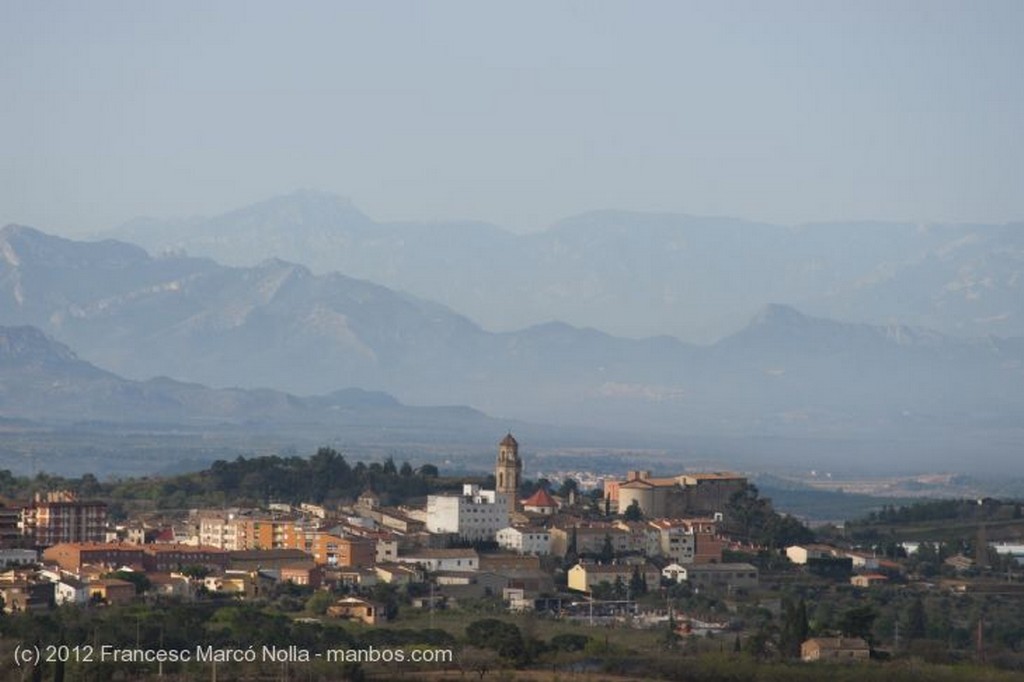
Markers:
(639, 274)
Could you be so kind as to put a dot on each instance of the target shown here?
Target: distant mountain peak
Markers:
(779, 314)
(303, 208)
(29, 345)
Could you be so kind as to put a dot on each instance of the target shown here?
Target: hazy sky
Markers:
(518, 113)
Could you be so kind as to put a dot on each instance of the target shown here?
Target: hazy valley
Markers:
(786, 390)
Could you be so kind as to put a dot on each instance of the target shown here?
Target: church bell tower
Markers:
(508, 472)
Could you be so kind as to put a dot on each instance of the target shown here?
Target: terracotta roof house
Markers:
(540, 503)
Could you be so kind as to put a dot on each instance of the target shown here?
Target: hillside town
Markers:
(684, 553)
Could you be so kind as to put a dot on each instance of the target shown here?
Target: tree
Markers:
(858, 621)
(319, 602)
(607, 551)
(794, 628)
(139, 580)
(571, 552)
(569, 485)
(670, 636)
(917, 622)
(633, 512)
(637, 586)
(505, 638)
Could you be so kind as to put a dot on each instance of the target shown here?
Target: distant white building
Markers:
(525, 540)
(801, 554)
(674, 573)
(17, 557)
(676, 540)
(474, 515)
(220, 530)
(443, 559)
(67, 589)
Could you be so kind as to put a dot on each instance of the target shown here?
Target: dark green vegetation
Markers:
(325, 477)
(946, 521)
(489, 644)
(751, 518)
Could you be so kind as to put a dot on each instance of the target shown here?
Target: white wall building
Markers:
(220, 530)
(474, 515)
(677, 543)
(525, 540)
(17, 557)
(443, 559)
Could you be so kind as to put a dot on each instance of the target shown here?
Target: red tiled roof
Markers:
(540, 499)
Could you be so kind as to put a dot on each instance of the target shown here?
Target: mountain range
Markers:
(635, 274)
(817, 389)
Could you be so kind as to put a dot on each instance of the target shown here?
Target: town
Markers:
(697, 562)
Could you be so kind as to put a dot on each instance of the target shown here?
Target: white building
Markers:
(800, 554)
(674, 573)
(17, 557)
(443, 559)
(220, 530)
(676, 541)
(862, 560)
(525, 540)
(67, 589)
(474, 515)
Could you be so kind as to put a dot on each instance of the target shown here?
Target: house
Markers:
(732, 576)
(474, 515)
(255, 559)
(170, 585)
(584, 577)
(457, 585)
(525, 540)
(540, 502)
(26, 596)
(589, 538)
(232, 582)
(18, 557)
(674, 573)
(864, 561)
(111, 591)
(360, 610)
(353, 577)
(333, 550)
(443, 559)
(305, 574)
(517, 599)
(68, 590)
(835, 649)
(398, 574)
(675, 540)
(800, 554)
(868, 580)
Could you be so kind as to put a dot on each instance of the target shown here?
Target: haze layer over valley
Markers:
(786, 389)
